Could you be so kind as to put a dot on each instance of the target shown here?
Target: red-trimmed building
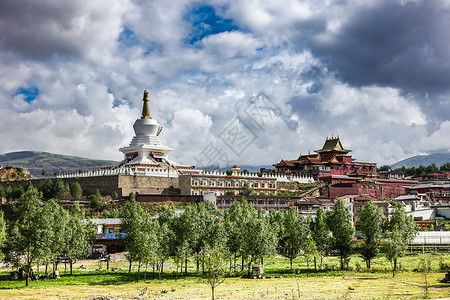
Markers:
(332, 159)
(435, 176)
(379, 189)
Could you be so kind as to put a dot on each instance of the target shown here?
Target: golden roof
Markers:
(333, 144)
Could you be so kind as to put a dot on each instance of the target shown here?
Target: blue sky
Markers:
(375, 72)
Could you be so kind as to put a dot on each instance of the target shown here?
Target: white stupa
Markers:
(145, 148)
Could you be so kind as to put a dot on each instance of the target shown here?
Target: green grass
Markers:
(331, 283)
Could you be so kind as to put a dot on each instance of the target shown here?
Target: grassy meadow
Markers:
(301, 283)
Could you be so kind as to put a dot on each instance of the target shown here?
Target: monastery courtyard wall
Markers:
(123, 185)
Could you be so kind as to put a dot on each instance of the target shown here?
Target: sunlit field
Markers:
(279, 282)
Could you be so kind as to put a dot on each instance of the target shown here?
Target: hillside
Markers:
(424, 160)
(35, 162)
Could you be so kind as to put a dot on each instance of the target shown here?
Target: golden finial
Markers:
(145, 109)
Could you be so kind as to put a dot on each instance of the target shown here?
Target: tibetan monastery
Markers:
(332, 159)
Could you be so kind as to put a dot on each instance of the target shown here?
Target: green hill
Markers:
(35, 162)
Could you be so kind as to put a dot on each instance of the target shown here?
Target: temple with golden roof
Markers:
(332, 159)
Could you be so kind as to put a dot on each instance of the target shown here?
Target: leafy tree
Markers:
(76, 191)
(246, 190)
(260, 239)
(114, 195)
(53, 231)
(141, 240)
(310, 251)
(321, 234)
(8, 193)
(2, 230)
(52, 188)
(295, 233)
(340, 223)
(215, 266)
(186, 235)
(59, 189)
(425, 266)
(17, 192)
(95, 200)
(370, 222)
(2, 192)
(25, 236)
(400, 232)
(240, 212)
(384, 168)
(44, 173)
(229, 192)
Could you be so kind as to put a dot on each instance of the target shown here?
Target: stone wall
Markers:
(145, 184)
(123, 185)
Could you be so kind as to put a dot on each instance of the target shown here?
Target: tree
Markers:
(321, 234)
(76, 191)
(44, 173)
(215, 266)
(295, 233)
(239, 213)
(52, 232)
(17, 192)
(59, 189)
(246, 190)
(370, 222)
(229, 193)
(52, 188)
(2, 230)
(425, 266)
(25, 237)
(310, 251)
(78, 235)
(260, 239)
(140, 239)
(340, 223)
(95, 200)
(400, 232)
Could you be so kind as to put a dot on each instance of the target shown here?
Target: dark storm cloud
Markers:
(40, 29)
(390, 44)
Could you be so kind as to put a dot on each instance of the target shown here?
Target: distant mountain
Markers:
(424, 160)
(35, 162)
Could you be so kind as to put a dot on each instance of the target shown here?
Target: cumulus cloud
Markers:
(373, 72)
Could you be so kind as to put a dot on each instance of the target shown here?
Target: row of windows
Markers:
(259, 202)
(229, 184)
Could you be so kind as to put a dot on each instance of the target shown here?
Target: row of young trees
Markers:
(50, 189)
(42, 233)
(251, 235)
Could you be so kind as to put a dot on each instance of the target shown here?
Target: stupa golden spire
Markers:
(145, 109)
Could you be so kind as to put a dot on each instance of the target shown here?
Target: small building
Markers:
(310, 205)
(108, 233)
(219, 183)
(267, 202)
